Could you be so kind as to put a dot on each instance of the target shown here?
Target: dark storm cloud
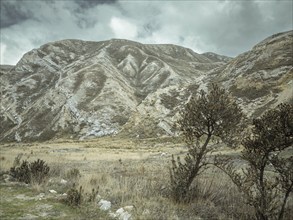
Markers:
(223, 27)
(239, 25)
(12, 13)
(93, 3)
(148, 29)
(244, 23)
(81, 12)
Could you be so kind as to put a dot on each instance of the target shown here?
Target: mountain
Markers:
(261, 78)
(216, 57)
(81, 89)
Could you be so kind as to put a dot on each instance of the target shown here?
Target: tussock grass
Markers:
(135, 174)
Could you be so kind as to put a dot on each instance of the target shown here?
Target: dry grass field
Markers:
(126, 172)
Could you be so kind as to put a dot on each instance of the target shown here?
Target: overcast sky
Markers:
(223, 27)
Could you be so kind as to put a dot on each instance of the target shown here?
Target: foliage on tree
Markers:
(267, 178)
(206, 117)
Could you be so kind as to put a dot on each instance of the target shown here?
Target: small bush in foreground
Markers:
(74, 197)
(35, 172)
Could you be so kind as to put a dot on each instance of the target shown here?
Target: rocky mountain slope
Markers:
(262, 77)
(82, 89)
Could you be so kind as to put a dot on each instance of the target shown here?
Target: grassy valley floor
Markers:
(126, 172)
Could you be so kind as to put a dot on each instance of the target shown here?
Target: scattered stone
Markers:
(52, 191)
(40, 196)
(24, 197)
(122, 214)
(128, 208)
(163, 187)
(7, 178)
(163, 154)
(98, 198)
(63, 181)
(112, 215)
(125, 216)
(146, 212)
(28, 217)
(43, 207)
(104, 204)
(175, 217)
(119, 211)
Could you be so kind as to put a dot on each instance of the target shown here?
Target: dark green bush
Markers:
(266, 181)
(74, 196)
(206, 117)
(26, 172)
(21, 173)
(39, 171)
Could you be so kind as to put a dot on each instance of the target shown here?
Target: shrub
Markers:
(91, 197)
(27, 172)
(205, 117)
(266, 190)
(73, 174)
(22, 172)
(39, 171)
(74, 196)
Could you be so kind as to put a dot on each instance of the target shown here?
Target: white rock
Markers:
(98, 198)
(112, 215)
(146, 212)
(41, 195)
(163, 154)
(7, 178)
(120, 211)
(128, 208)
(125, 216)
(104, 204)
(52, 191)
(122, 214)
(63, 181)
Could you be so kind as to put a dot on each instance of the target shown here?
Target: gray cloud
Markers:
(12, 13)
(93, 3)
(224, 27)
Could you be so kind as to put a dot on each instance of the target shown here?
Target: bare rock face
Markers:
(79, 89)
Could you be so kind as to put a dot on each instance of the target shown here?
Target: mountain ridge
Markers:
(81, 89)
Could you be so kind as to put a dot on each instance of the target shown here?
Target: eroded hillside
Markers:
(79, 89)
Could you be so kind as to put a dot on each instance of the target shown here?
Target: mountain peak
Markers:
(81, 89)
